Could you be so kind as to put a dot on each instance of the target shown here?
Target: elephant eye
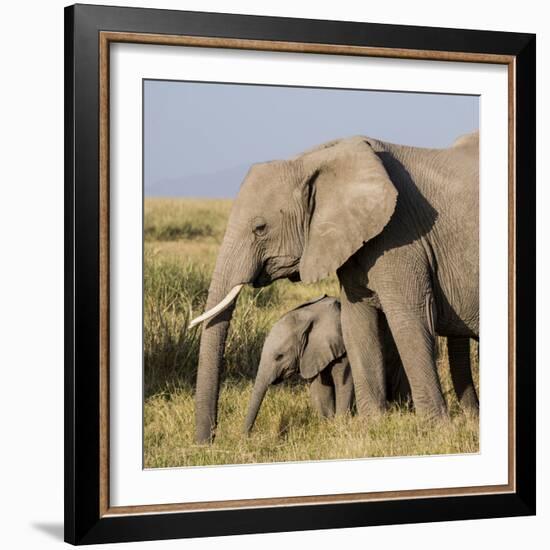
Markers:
(259, 226)
(278, 357)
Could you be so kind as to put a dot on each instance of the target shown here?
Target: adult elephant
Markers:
(398, 224)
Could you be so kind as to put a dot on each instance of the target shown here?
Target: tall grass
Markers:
(180, 250)
(172, 292)
(175, 292)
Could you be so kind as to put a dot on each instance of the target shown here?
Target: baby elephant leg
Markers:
(343, 385)
(321, 391)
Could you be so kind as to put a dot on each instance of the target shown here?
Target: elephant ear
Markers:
(350, 200)
(321, 336)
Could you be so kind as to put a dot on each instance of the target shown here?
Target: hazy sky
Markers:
(201, 138)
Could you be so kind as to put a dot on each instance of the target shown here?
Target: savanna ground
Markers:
(182, 237)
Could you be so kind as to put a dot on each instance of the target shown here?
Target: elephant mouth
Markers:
(281, 267)
(283, 377)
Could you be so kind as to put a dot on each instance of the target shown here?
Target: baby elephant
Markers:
(307, 339)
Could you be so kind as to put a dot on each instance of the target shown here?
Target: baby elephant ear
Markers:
(322, 337)
(351, 199)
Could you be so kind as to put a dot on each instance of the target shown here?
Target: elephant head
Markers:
(305, 340)
(299, 219)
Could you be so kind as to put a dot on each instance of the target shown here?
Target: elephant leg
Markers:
(321, 391)
(363, 343)
(343, 385)
(398, 387)
(461, 372)
(412, 327)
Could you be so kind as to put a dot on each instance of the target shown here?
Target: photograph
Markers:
(310, 273)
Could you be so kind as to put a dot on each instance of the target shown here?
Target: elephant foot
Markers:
(434, 412)
(469, 403)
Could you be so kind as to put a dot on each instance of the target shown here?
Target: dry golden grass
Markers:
(171, 219)
(289, 430)
(180, 251)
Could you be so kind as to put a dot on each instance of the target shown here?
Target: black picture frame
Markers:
(84, 523)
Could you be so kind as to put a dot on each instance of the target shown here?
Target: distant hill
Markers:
(222, 184)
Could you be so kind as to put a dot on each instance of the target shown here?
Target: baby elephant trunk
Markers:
(258, 394)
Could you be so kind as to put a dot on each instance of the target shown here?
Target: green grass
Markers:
(176, 277)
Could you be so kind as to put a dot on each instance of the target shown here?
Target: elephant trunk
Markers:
(258, 394)
(227, 280)
(214, 334)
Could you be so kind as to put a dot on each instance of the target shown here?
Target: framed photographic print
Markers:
(299, 274)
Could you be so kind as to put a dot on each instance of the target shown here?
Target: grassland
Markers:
(182, 237)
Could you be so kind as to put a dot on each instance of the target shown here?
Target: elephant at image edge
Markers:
(399, 226)
(308, 340)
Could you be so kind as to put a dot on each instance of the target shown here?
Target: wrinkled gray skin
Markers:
(398, 224)
(307, 340)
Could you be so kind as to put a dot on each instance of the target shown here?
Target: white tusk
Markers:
(227, 301)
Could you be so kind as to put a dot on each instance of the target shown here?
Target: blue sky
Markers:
(201, 138)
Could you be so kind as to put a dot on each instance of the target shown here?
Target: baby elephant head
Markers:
(305, 340)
